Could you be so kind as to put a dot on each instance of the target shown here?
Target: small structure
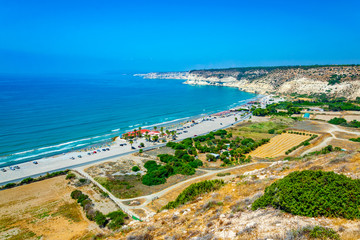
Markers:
(307, 115)
(316, 109)
(215, 155)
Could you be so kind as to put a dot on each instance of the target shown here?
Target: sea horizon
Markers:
(47, 116)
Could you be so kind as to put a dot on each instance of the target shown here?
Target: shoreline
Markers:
(64, 161)
(105, 143)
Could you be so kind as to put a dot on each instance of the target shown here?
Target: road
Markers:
(149, 198)
(331, 129)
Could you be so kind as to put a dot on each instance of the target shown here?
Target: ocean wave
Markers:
(116, 130)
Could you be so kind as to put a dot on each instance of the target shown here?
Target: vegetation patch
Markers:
(194, 190)
(69, 211)
(30, 180)
(316, 232)
(116, 218)
(343, 122)
(355, 139)
(325, 150)
(120, 188)
(314, 193)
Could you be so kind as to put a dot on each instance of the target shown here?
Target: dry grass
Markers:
(41, 209)
(278, 145)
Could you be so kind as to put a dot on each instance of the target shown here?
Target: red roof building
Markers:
(143, 132)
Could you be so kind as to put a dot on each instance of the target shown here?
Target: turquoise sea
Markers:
(44, 116)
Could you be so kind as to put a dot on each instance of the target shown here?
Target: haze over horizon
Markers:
(96, 37)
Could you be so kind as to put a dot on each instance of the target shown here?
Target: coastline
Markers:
(64, 161)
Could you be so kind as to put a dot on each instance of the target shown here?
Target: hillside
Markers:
(332, 80)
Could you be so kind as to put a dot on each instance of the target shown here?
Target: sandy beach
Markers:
(71, 160)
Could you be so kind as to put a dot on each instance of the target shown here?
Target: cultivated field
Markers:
(278, 145)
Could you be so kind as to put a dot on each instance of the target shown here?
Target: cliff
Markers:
(332, 80)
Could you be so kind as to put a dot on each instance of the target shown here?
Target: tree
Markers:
(100, 218)
(155, 128)
(155, 138)
(131, 142)
(236, 119)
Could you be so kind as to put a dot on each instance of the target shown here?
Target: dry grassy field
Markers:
(42, 210)
(278, 145)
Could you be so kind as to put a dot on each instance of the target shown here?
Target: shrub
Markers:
(141, 151)
(223, 174)
(337, 121)
(100, 218)
(27, 180)
(117, 219)
(314, 193)
(70, 176)
(271, 131)
(316, 232)
(355, 139)
(135, 169)
(75, 194)
(194, 190)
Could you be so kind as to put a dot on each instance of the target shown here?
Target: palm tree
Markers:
(236, 119)
(131, 142)
(167, 133)
(162, 131)
(155, 128)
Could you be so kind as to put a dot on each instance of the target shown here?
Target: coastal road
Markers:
(72, 166)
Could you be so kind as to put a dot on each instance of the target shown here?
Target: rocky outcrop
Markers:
(333, 80)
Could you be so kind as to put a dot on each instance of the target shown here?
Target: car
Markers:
(3, 169)
(12, 168)
(89, 153)
(79, 156)
(133, 148)
(98, 150)
(72, 158)
(16, 167)
(35, 162)
(94, 152)
(195, 135)
(121, 145)
(185, 131)
(103, 149)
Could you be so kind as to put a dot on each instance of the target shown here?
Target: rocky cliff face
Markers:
(337, 81)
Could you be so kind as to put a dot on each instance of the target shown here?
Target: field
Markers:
(278, 145)
(41, 210)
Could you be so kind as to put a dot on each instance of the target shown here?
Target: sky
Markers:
(115, 36)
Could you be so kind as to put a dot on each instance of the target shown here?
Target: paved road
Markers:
(120, 154)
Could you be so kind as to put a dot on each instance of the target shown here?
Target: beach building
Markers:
(143, 132)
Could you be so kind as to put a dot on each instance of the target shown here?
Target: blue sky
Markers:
(96, 37)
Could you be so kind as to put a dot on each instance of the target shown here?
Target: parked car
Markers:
(35, 162)
(108, 149)
(133, 147)
(89, 153)
(16, 167)
(79, 156)
(3, 169)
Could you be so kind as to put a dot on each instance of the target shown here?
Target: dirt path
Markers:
(151, 197)
(330, 129)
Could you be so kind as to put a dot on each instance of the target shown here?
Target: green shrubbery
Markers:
(30, 180)
(135, 168)
(314, 193)
(193, 191)
(304, 143)
(355, 139)
(116, 218)
(326, 150)
(343, 122)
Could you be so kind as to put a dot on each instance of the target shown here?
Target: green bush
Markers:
(193, 191)
(271, 131)
(70, 176)
(355, 139)
(117, 219)
(135, 169)
(314, 193)
(100, 218)
(337, 121)
(75, 194)
(27, 180)
(316, 232)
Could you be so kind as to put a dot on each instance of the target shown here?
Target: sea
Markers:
(45, 116)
